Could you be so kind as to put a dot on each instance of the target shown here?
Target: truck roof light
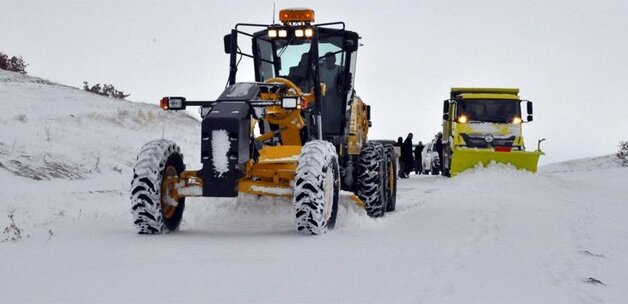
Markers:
(272, 33)
(283, 33)
(299, 33)
(296, 15)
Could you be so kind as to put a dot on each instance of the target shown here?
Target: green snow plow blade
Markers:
(463, 159)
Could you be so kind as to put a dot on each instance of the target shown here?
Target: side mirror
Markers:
(227, 40)
(529, 108)
(445, 109)
(368, 113)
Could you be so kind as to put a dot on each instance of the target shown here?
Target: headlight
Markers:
(272, 33)
(289, 102)
(516, 120)
(172, 103)
(462, 119)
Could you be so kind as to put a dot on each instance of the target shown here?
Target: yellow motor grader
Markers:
(298, 130)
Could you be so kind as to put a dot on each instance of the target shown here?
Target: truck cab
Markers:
(481, 125)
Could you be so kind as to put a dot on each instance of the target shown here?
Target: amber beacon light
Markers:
(296, 15)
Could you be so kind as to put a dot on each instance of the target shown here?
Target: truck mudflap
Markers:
(463, 159)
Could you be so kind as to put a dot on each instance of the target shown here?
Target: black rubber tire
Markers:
(447, 155)
(391, 181)
(371, 177)
(316, 189)
(435, 171)
(146, 196)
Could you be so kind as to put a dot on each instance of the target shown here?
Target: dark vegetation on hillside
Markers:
(105, 90)
(14, 64)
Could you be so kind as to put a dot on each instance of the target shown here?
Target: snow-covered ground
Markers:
(493, 235)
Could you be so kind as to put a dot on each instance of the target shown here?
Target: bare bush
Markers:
(105, 90)
(622, 154)
(12, 232)
(14, 64)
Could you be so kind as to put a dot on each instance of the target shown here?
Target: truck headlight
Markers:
(462, 119)
(289, 102)
(516, 120)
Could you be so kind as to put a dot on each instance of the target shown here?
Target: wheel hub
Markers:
(168, 204)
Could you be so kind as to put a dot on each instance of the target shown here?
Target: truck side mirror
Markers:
(445, 109)
(529, 108)
(227, 40)
(368, 113)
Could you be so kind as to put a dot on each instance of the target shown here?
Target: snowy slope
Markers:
(491, 235)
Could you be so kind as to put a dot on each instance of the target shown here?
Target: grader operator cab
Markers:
(298, 130)
(483, 125)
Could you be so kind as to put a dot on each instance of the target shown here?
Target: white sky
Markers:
(569, 57)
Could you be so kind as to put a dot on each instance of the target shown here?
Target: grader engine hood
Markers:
(225, 140)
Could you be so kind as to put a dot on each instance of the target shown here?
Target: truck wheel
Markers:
(152, 212)
(446, 161)
(317, 184)
(391, 181)
(371, 177)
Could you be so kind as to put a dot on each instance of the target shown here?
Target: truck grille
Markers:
(477, 141)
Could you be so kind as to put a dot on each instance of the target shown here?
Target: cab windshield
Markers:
(489, 110)
(293, 57)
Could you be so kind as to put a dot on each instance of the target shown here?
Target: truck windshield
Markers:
(489, 110)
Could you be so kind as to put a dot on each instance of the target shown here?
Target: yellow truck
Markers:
(484, 125)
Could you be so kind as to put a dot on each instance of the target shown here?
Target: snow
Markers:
(272, 190)
(489, 235)
(220, 148)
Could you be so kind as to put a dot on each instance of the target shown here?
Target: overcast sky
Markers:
(569, 57)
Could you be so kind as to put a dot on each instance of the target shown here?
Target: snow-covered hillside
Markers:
(493, 235)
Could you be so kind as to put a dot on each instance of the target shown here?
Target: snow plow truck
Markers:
(296, 130)
(484, 125)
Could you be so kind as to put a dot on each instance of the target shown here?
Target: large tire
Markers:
(391, 180)
(447, 161)
(371, 177)
(151, 212)
(317, 184)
